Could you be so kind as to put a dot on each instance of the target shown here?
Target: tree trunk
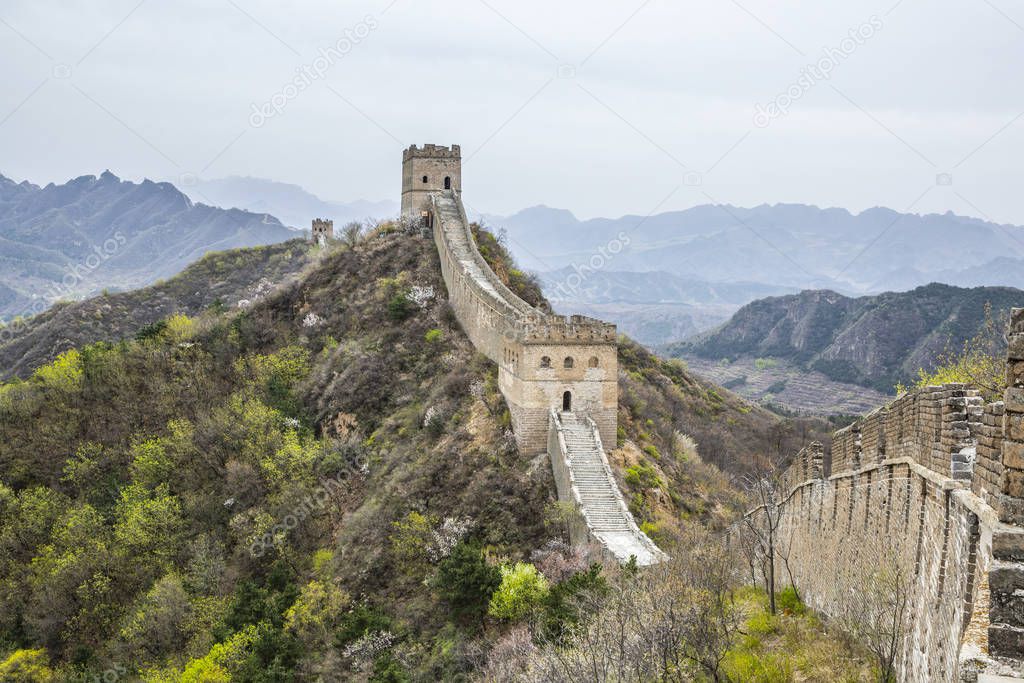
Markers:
(771, 568)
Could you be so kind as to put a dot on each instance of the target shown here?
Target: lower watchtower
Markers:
(569, 364)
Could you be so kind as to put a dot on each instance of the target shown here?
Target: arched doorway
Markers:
(567, 401)
(447, 182)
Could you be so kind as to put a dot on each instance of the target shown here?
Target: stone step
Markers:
(599, 496)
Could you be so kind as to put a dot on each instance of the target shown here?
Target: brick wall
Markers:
(935, 482)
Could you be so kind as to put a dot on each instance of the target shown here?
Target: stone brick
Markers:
(1012, 482)
(1008, 545)
(1014, 399)
(1006, 577)
(1014, 426)
(1005, 641)
(1015, 348)
(1013, 455)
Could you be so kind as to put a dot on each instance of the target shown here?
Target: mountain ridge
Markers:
(69, 240)
(874, 341)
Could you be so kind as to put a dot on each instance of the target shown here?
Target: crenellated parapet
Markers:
(430, 151)
(560, 329)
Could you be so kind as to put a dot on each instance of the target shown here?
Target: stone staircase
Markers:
(592, 487)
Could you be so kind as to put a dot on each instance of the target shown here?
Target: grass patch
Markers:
(792, 645)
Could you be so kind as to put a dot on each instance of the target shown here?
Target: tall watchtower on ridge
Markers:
(428, 169)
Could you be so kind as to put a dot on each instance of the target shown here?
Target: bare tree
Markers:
(671, 622)
(877, 613)
(351, 234)
(766, 488)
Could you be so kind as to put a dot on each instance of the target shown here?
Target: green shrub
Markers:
(788, 600)
(359, 621)
(433, 336)
(465, 580)
(562, 605)
(400, 307)
(27, 666)
(751, 667)
(522, 591)
(642, 476)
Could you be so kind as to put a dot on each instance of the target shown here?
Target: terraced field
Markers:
(766, 380)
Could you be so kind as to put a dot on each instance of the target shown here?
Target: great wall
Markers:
(559, 375)
(934, 483)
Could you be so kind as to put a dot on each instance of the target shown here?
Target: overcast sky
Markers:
(601, 108)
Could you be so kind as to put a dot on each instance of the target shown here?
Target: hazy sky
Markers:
(601, 108)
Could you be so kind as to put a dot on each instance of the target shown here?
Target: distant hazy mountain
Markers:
(873, 340)
(293, 205)
(93, 233)
(788, 245)
(650, 287)
(652, 307)
(717, 258)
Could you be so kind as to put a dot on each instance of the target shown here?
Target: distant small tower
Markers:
(428, 169)
(323, 231)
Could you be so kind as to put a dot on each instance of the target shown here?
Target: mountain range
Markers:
(293, 205)
(872, 341)
(715, 258)
(94, 233)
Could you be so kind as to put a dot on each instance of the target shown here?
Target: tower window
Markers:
(424, 179)
(593, 362)
(447, 182)
(545, 362)
(568, 362)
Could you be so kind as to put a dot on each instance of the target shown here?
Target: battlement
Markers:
(322, 224)
(560, 329)
(430, 151)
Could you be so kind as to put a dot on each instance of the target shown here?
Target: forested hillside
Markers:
(221, 280)
(322, 483)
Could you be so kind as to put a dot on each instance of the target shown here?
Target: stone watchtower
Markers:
(428, 169)
(323, 230)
